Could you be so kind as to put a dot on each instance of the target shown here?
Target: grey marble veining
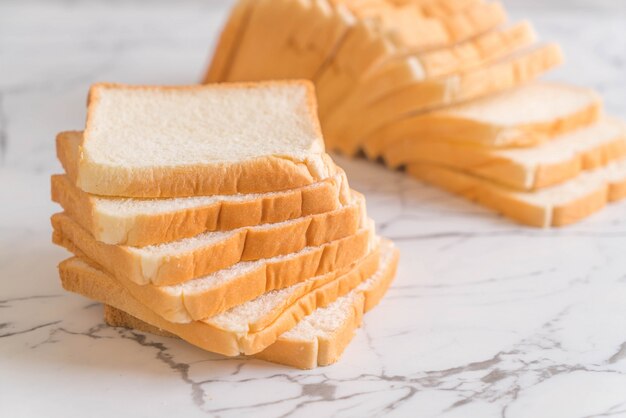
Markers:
(485, 318)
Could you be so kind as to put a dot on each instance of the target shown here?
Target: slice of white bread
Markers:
(189, 258)
(141, 222)
(548, 164)
(143, 141)
(245, 329)
(559, 205)
(357, 125)
(209, 295)
(318, 339)
(403, 69)
(524, 116)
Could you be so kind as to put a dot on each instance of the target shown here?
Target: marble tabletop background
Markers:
(485, 318)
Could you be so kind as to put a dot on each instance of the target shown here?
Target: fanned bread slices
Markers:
(524, 116)
(142, 141)
(559, 205)
(402, 70)
(553, 162)
(141, 222)
(209, 295)
(318, 339)
(182, 260)
(245, 329)
(353, 127)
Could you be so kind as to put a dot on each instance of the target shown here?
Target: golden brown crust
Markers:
(244, 244)
(496, 167)
(300, 353)
(443, 127)
(156, 228)
(430, 94)
(581, 208)
(277, 274)
(507, 203)
(403, 69)
(97, 285)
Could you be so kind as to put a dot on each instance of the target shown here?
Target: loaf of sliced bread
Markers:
(402, 70)
(548, 164)
(245, 329)
(318, 339)
(142, 141)
(524, 116)
(559, 205)
(209, 295)
(141, 222)
(189, 258)
(354, 126)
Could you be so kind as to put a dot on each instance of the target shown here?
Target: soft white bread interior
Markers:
(246, 329)
(559, 205)
(547, 164)
(141, 222)
(209, 295)
(318, 339)
(527, 115)
(143, 141)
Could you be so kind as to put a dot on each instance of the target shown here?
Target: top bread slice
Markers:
(525, 116)
(142, 141)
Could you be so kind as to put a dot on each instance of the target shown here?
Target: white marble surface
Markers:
(485, 319)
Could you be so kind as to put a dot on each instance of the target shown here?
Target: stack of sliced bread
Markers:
(213, 213)
(446, 89)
